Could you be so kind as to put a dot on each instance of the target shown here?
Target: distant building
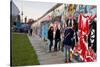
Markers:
(14, 12)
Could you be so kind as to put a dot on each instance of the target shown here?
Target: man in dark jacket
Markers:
(68, 35)
(57, 39)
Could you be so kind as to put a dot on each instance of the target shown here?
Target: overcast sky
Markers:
(33, 9)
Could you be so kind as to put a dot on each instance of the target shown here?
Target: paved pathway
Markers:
(44, 56)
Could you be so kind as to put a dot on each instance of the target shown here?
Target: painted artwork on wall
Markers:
(52, 33)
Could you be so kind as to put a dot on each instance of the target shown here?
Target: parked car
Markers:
(22, 27)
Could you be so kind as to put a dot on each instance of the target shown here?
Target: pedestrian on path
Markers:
(68, 35)
(57, 39)
(30, 32)
(50, 37)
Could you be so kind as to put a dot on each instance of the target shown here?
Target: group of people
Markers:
(72, 39)
(51, 38)
(64, 43)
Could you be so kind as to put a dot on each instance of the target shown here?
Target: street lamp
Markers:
(22, 11)
(22, 15)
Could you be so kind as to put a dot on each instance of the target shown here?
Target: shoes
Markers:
(65, 61)
(55, 49)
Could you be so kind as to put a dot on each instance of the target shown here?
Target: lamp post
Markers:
(22, 11)
(22, 15)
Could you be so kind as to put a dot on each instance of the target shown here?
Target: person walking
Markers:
(68, 35)
(57, 39)
(50, 37)
(31, 31)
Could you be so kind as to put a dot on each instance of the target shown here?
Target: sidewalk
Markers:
(43, 56)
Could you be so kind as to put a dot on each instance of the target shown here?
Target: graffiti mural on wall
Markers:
(65, 32)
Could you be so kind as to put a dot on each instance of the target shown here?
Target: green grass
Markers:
(22, 51)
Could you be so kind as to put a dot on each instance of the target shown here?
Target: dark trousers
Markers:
(56, 42)
(51, 44)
